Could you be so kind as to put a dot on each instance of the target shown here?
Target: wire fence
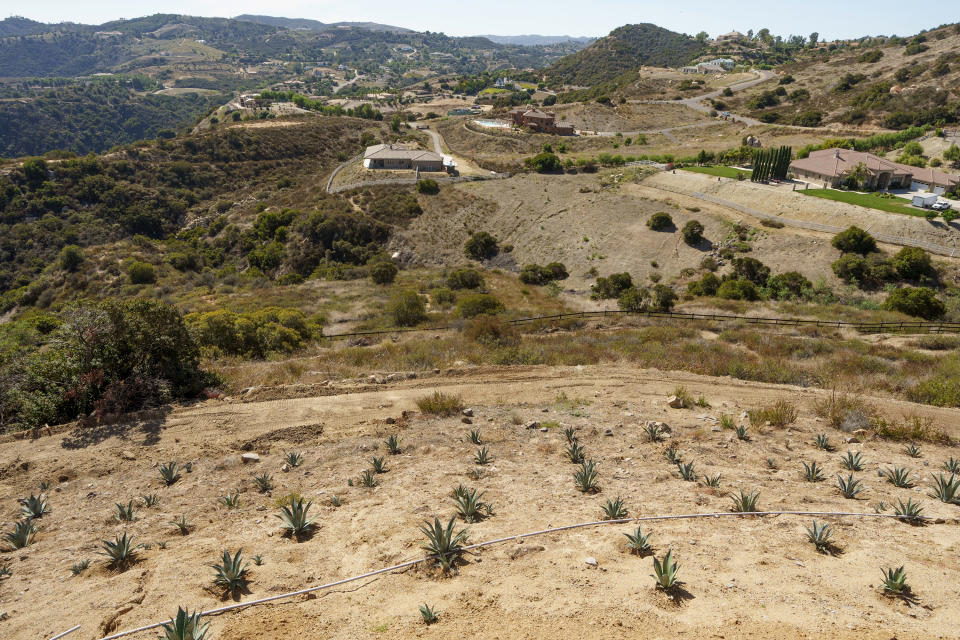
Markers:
(907, 326)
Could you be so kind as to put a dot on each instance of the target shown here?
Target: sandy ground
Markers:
(743, 578)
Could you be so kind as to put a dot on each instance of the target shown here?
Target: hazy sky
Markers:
(831, 18)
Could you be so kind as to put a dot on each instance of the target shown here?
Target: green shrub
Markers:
(141, 273)
(920, 302)
(789, 285)
(536, 274)
(912, 263)
(751, 269)
(71, 257)
(660, 221)
(854, 240)
(611, 287)
(692, 232)
(383, 272)
(465, 279)
(254, 334)
(737, 289)
(481, 246)
(491, 331)
(428, 186)
(442, 296)
(407, 308)
(476, 304)
(707, 285)
(544, 162)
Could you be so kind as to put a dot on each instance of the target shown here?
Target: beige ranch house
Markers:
(833, 167)
(399, 157)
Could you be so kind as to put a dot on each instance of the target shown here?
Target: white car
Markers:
(940, 206)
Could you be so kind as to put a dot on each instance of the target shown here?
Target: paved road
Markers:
(436, 140)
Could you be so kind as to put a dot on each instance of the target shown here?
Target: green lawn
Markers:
(723, 172)
(870, 200)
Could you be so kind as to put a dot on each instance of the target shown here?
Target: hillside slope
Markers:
(625, 49)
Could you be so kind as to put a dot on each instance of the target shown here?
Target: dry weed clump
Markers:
(780, 414)
(440, 404)
(845, 412)
(912, 428)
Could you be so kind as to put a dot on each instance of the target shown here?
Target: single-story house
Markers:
(726, 63)
(399, 157)
(834, 166)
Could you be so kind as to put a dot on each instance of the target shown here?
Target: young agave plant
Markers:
(79, 567)
(369, 479)
(638, 543)
(913, 451)
(125, 513)
(258, 560)
(712, 481)
(741, 432)
(952, 466)
(771, 464)
(823, 442)
(474, 437)
(483, 456)
(293, 459)
(687, 472)
(264, 482)
(429, 615)
(812, 472)
(672, 455)
(745, 502)
(335, 501)
(231, 500)
(570, 434)
(5, 571)
(614, 509)
(121, 552)
(169, 472)
(880, 507)
(231, 573)
(378, 465)
(21, 535)
(849, 487)
(443, 542)
(393, 445)
(654, 432)
(477, 473)
(574, 452)
(182, 525)
(895, 581)
(150, 500)
(820, 536)
(34, 506)
(898, 477)
(946, 489)
(852, 461)
(585, 478)
(184, 626)
(910, 511)
(294, 518)
(665, 573)
(469, 505)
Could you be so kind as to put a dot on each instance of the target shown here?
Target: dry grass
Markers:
(845, 412)
(780, 414)
(910, 429)
(440, 404)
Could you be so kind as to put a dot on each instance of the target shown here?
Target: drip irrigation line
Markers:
(518, 537)
(60, 635)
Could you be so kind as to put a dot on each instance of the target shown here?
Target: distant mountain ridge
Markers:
(315, 25)
(533, 40)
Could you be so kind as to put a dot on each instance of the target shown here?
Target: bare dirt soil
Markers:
(743, 577)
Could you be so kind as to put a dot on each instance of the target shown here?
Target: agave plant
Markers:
(614, 509)
(952, 465)
(293, 459)
(429, 615)
(880, 507)
(638, 543)
(185, 626)
(672, 455)
(741, 432)
(294, 518)
(264, 482)
(121, 552)
(820, 536)
(335, 501)
(913, 451)
(665, 573)
(570, 434)
(483, 456)
(585, 478)
(849, 487)
(687, 472)
(34, 506)
(378, 465)
(745, 502)
(469, 504)
(125, 513)
(823, 442)
(369, 479)
(477, 473)
(182, 525)
(393, 445)
(21, 535)
(898, 477)
(150, 500)
(909, 511)
(231, 500)
(771, 464)
(445, 544)
(474, 437)
(852, 461)
(5, 571)
(231, 573)
(812, 472)
(258, 560)
(169, 472)
(574, 452)
(946, 489)
(712, 481)
(895, 581)
(79, 567)
(654, 432)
